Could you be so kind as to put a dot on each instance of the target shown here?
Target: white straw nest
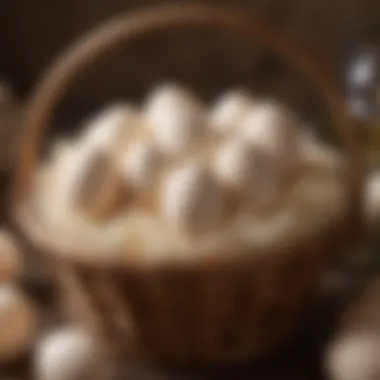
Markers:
(183, 162)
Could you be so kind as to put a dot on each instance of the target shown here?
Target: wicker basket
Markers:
(211, 311)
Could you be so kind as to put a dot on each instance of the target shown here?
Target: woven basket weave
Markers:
(222, 309)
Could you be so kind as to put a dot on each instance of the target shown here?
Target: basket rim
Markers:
(50, 245)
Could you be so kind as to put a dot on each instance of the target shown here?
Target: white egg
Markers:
(110, 125)
(88, 182)
(354, 356)
(18, 323)
(229, 110)
(73, 173)
(68, 353)
(191, 198)
(272, 128)
(372, 198)
(238, 165)
(170, 94)
(140, 164)
(81, 178)
(175, 117)
(11, 260)
(250, 173)
(354, 352)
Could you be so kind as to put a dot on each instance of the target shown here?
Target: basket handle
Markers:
(137, 25)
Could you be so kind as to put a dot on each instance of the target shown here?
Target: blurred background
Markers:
(342, 34)
(32, 33)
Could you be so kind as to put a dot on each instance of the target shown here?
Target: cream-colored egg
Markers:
(229, 110)
(170, 94)
(354, 357)
(191, 198)
(354, 351)
(79, 176)
(11, 260)
(68, 353)
(271, 128)
(72, 182)
(89, 182)
(140, 165)
(372, 198)
(249, 173)
(18, 323)
(237, 164)
(110, 125)
(175, 117)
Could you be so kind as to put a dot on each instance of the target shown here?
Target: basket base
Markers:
(200, 315)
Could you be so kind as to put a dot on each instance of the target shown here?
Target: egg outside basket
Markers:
(217, 310)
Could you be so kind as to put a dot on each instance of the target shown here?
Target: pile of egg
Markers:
(191, 165)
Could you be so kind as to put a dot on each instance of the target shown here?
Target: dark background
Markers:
(32, 33)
